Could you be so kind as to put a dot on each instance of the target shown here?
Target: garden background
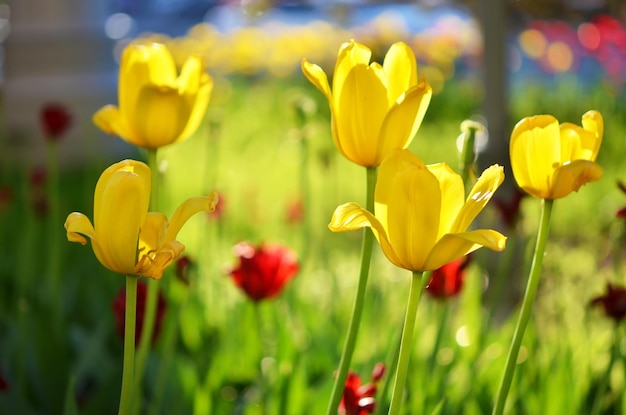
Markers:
(265, 147)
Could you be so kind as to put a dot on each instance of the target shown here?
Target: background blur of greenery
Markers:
(252, 150)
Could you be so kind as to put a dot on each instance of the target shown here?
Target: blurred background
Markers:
(67, 51)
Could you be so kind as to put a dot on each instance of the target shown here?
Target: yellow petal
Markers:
(152, 232)
(408, 198)
(318, 78)
(186, 210)
(360, 111)
(190, 75)
(452, 192)
(154, 265)
(110, 120)
(535, 151)
(350, 55)
(120, 206)
(570, 177)
(77, 224)
(403, 120)
(457, 245)
(400, 70)
(162, 68)
(350, 216)
(593, 122)
(161, 116)
(199, 104)
(479, 196)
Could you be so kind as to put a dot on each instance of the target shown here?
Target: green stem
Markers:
(153, 285)
(357, 310)
(54, 221)
(606, 378)
(418, 281)
(126, 398)
(527, 304)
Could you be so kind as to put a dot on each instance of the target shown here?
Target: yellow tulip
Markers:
(125, 237)
(551, 161)
(420, 218)
(157, 106)
(374, 108)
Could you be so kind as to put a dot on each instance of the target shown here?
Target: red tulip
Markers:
(263, 270)
(183, 265)
(613, 302)
(448, 280)
(358, 399)
(295, 211)
(55, 121)
(4, 385)
(119, 311)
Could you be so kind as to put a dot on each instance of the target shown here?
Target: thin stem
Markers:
(357, 310)
(606, 378)
(54, 222)
(153, 285)
(527, 304)
(126, 398)
(418, 281)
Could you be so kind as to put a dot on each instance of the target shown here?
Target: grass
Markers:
(228, 355)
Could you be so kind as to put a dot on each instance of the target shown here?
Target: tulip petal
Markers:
(110, 120)
(186, 210)
(350, 216)
(161, 116)
(534, 151)
(360, 111)
(593, 122)
(153, 266)
(403, 120)
(452, 192)
(408, 204)
(190, 75)
(152, 232)
(456, 245)
(199, 106)
(479, 196)
(318, 78)
(120, 206)
(570, 177)
(77, 224)
(400, 70)
(350, 54)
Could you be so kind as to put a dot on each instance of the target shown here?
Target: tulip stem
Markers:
(418, 281)
(126, 398)
(152, 293)
(355, 321)
(527, 304)
(54, 237)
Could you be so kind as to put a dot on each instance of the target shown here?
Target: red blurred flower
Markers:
(448, 280)
(38, 196)
(622, 212)
(119, 310)
(295, 211)
(509, 209)
(4, 385)
(6, 197)
(613, 302)
(55, 121)
(358, 399)
(183, 265)
(263, 270)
